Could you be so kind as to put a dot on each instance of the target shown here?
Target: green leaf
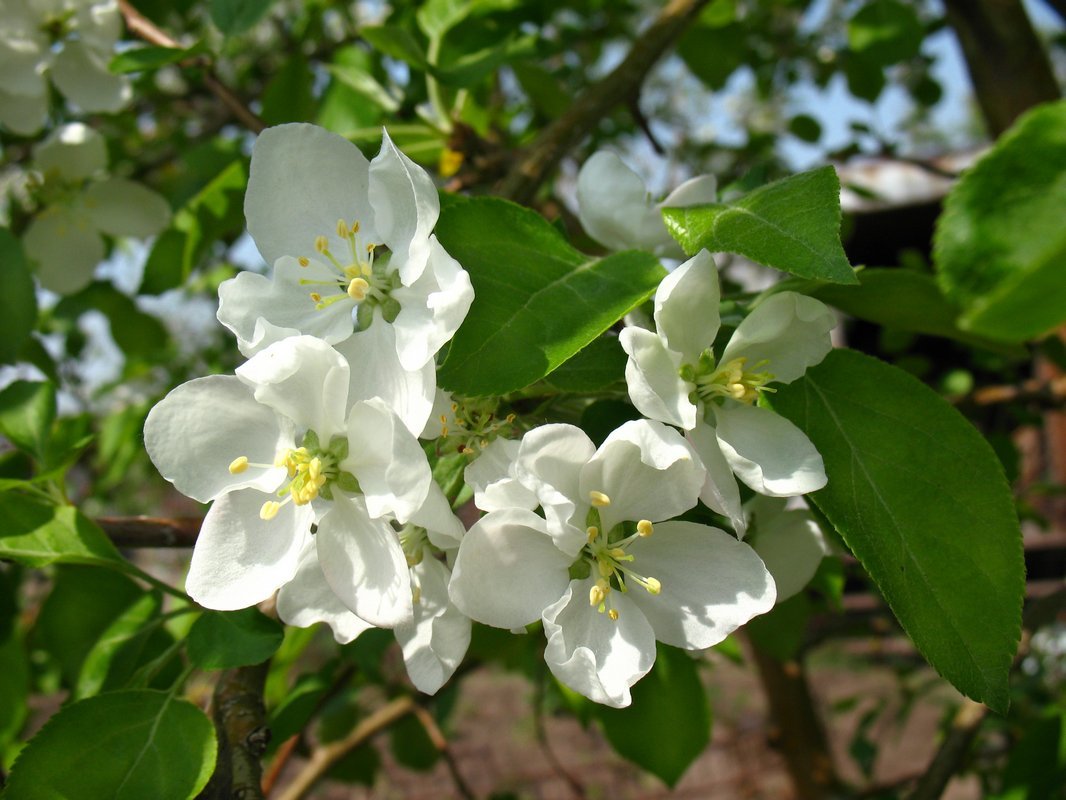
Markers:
(470, 68)
(537, 301)
(669, 723)
(236, 16)
(123, 746)
(139, 59)
(36, 534)
(600, 365)
(126, 628)
(1000, 245)
(139, 335)
(921, 499)
(226, 639)
(1036, 769)
(411, 745)
(395, 42)
(886, 32)
(14, 688)
(791, 225)
(27, 411)
(288, 97)
(781, 631)
(18, 300)
(713, 53)
(360, 81)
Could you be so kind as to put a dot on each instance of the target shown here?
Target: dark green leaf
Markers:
(886, 32)
(537, 300)
(138, 334)
(18, 301)
(598, 366)
(296, 709)
(411, 744)
(149, 58)
(35, 534)
(14, 688)
(123, 746)
(866, 78)
(714, 53)
(395, 42)
(288, 97)
(127, 627)
(805, 127)
(1000, 245)
(780, 632)
(1036, 769)
(470, 68)
(236, 16)
(669, 722)
(792, 225)
(542, 88)
(921, 500)
(27, 411)
(603, 416)
(225, 639)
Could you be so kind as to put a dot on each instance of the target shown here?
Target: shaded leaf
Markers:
(18, 300)
(226, 639)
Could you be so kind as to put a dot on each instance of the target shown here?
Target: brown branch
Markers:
(323, 758)
(436, 736)
(552, 143)
(141, 26)
(1048, 393)
(240, 719)
(133, 532)
(281, 758)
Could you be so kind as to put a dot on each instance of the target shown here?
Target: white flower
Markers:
(674, 376)
(277, 449)
(615, 209)
(788, 540)
(435, 640)
(321, 214)
(83, 203)
(71, 40)
(602, 570)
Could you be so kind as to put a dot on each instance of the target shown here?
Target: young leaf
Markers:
(18, 300)
(537, 301)
(237, 16)
(792, 225)
(225, 639)
(27, 411)
(921, 500)
(36, 534)
(126, 628)
(1000, 245)
(122, 745)
(669, 722)
(138, 59)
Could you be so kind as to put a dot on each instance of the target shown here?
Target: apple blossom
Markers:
(70, 40)
(64, 240)
(435, 640)
(354, 262)
(604, 568)
(615, 209)
(277, 448)
(674, 376)
(788, 540)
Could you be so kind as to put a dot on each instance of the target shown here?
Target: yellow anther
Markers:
(342, 229)
(321, 244)
(314, 468)
(366, 270)
(596, 595)
(613, 614)
(355, 227)
(238, 465)
(644, 527)
(606, 568)
(352, 271)
(592, 532)
(269, 510)
(599, 499)
(416, 592)
(444, 431)
(511, 418)
(304, 261)
(370, 247)
(652, 585)
(358, 288)
(616, 553)
(316, 297)
(455, 407)
(443, 419)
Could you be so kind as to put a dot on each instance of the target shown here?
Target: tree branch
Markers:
(133, 532)
(141, 26)
(240, 718)
(593, 104)
(436, 736)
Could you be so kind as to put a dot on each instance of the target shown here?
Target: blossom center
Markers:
(733, 380)
(472, 425)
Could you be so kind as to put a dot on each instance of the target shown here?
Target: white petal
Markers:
(81, 74)
(23, 55)
(431, 308)
(264, 334)
(686, 307)
(442, 407)
(308, 599)
(304, 379)
(490, 476)
(789, 330)
(376, 371)
(445, 530)
(711, 583)
(119, 207)
(194, 433)
(508, 570)
(99, 24)
(693, 192)
(549, 463)
(406, 208)
(65, 247)
(73, 151)
(593, 654)
(239, 559)
(283, 302)
(301, 181)
(791, 545)
(720, 491)
(655, 387)
(615, 209)
(24, 114)
(387, 460)
(364, 563)
(435, 642)
(767, 452)
(647, 470)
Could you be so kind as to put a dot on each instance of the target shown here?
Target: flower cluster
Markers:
(323, 495)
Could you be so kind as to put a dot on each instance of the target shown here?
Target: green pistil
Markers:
(729, 381)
